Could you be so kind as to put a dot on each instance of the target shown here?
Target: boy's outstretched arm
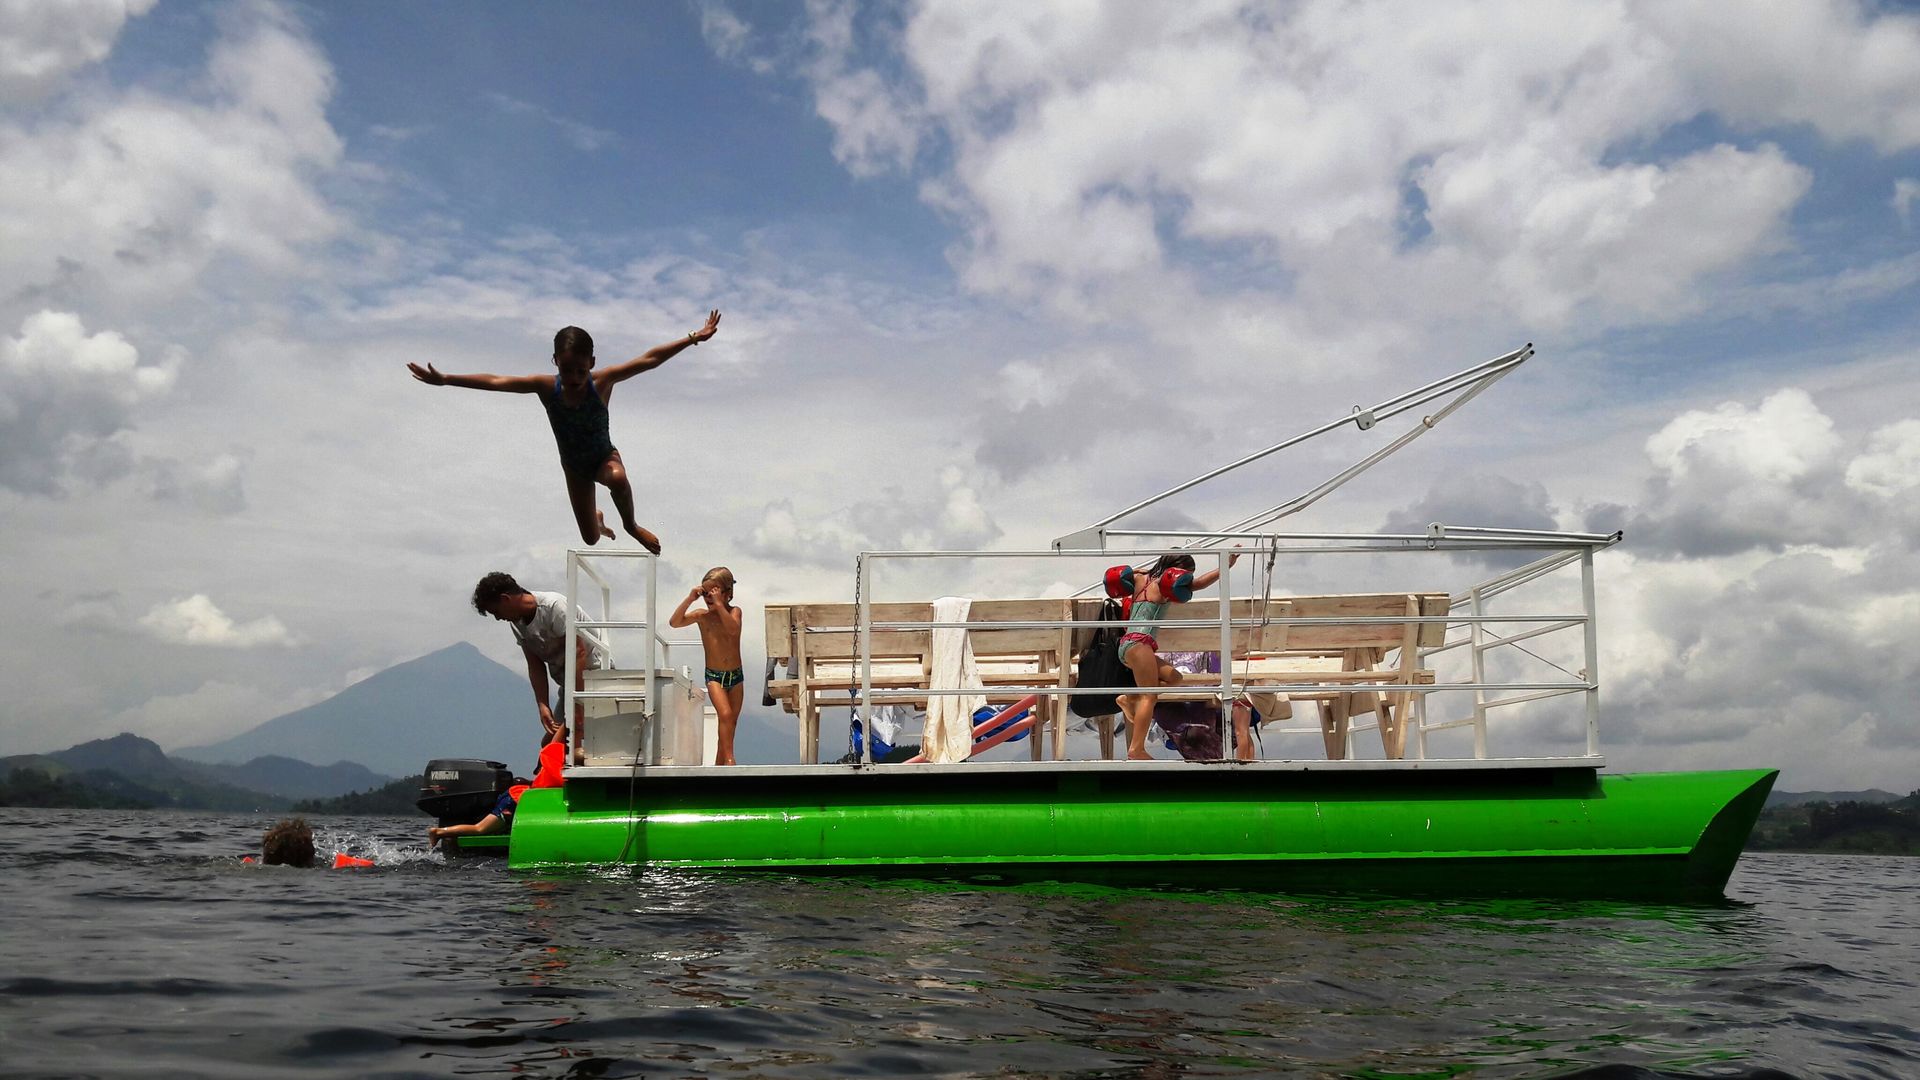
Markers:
(680, 618)
(511, 384)
(537, 677)
(488, 824)
(659, 354)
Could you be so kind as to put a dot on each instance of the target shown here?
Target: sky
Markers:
(988, 273)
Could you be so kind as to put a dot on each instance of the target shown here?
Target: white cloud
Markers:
(730, 37)
(1843, 67)
(216, 709)
(1891, 464)
(64, 394)
(42, 42)
(216, 485)
(136, 193)
(582, 137)
(1124, 161)
(1482, 500)
(1733, 478)
(1905, 191)
(874, 128)
(1781, 441)
(1760, 603)
(194, 620)
(946, 516)
(1714, 649)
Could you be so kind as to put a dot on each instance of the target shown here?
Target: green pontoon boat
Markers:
(1281, 794)
(1549, 829)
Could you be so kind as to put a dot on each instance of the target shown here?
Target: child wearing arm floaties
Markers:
(719, 626)
(1138, 649)
(550, 773)
(576, 404)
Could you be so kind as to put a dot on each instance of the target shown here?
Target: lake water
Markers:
(137, 944)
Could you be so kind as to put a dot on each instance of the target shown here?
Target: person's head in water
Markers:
(719, 578)
(573, 355)
(289, 843)
(500, 596)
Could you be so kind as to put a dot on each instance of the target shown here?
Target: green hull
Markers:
(494, 845)
(1550, 831)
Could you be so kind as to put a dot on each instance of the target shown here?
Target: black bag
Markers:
(1100, 665)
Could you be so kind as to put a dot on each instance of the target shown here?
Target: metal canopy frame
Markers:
(1456, 390)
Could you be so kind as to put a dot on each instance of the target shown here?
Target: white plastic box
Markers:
(615, 731)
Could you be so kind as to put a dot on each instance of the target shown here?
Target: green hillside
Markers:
(1882, 828)
(124, 771)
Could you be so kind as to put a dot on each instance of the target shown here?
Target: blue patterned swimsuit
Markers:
(580, 431)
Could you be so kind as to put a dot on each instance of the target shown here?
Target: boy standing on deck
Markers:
(720, 639)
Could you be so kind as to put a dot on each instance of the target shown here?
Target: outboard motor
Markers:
(461, 791)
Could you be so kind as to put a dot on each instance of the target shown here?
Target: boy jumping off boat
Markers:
(576, 404)
(720, 639)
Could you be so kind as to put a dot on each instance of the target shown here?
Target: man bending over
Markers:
(539, 624)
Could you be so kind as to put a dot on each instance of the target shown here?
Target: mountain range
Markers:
(130, 769)
(450, 703)
(1873, 796)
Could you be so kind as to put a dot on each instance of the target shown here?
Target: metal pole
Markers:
(572, 660)
(606, 615)
(1467, 393)
(863, 619)
(1511, 359)
(1479, 677)
(1592, 674)
(1225, 584)
(652, 702)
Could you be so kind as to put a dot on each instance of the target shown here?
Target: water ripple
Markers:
(144, 947)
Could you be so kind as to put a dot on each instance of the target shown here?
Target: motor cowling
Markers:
(461, 791)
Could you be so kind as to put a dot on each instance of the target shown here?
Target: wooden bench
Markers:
(822, 665)
(1277, 656)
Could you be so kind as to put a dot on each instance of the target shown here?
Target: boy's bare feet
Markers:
(600, 519)
(1141, 756)
(646, 538)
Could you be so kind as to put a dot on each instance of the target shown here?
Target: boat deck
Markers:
(726, 773)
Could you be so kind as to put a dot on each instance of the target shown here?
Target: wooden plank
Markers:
(1372, 605)
(1207, 638)
(1061, 715)
(1393, 715)
(1371, 679)
(779, 631)
(1333, 726)
(803, 705)
(1434, 604)
(783, 619)
(840, 646)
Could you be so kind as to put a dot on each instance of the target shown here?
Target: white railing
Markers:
(655, 649)
(1482, 643)
(1564, 549)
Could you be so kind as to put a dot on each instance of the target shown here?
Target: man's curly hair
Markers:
(289, 843)
(492, 588)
